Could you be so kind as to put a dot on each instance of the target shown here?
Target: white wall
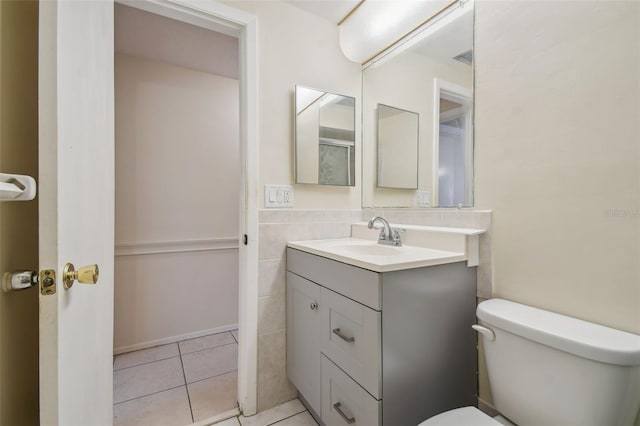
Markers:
(177, 183)
(296, 47)
(19, 220)
(558, 155)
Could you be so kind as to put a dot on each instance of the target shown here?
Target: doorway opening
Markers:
(453, 145)
(178, 211)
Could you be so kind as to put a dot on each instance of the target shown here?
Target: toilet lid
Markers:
(465, 416)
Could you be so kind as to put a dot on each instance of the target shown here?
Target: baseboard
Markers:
(487, 408)
(313, 413)
(173, 339)
(218, 418)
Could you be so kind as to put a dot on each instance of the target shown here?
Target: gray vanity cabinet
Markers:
(303, 327)
(393, 348)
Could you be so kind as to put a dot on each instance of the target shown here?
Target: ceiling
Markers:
(331, 10)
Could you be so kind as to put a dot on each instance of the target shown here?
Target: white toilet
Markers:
(550, 369)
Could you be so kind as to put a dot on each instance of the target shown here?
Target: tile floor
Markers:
(176, 384)
(291, 413)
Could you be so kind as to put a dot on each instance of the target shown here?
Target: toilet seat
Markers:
(465, 416)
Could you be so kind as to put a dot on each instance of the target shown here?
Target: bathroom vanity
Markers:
(380, 335)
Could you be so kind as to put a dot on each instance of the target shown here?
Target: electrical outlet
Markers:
(422, 199)
(278, 196)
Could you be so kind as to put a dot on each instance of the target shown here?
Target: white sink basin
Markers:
(370, 255)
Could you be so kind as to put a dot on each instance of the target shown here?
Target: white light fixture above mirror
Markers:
(377, 28)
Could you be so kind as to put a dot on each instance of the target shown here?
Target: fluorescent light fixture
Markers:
(432, 26)
(378, 28)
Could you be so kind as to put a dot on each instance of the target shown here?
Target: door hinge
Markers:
(245, 239)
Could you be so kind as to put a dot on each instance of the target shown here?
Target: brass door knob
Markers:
(85, 275)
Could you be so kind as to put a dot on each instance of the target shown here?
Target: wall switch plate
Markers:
(278, 196)
(422, 199)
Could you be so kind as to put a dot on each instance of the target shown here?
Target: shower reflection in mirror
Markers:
(324, 137)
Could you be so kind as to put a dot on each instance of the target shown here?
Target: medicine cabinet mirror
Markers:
(431, 75)
(397, 148)
(324, 137)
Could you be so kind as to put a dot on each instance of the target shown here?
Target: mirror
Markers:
(431, 75)
(397, 148)
(324, 137)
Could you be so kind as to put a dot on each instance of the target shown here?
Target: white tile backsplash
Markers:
(271, 277)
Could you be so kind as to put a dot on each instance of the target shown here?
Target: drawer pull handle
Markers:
(346, 418)
(313, 306)
(337, 332)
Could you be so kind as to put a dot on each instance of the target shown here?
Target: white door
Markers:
(76, 193)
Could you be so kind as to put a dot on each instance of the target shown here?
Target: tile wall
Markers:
(276, 227)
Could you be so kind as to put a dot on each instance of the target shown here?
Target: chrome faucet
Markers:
(388, 235)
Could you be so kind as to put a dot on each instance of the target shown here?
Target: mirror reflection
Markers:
(432, 76)
(324, 137)
(397, 148)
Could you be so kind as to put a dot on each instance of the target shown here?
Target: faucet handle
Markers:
(395, 236)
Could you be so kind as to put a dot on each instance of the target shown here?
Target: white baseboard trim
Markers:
(173, 339)
(218, 418)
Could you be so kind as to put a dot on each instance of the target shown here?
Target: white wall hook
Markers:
(17, 187)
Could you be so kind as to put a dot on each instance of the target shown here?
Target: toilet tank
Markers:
(545, 368)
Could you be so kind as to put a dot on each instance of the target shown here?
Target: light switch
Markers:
(278, 196)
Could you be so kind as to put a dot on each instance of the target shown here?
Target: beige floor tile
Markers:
(274, 414)
(210, 362)
(168, 408)
(213, 396)
(145, 379)
(229, 422)
(302, 419)
(205, 342)
(143, 356)
(235, 334)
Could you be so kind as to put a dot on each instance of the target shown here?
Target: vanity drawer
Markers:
(344, 402)
(356, 283)
(351, 337)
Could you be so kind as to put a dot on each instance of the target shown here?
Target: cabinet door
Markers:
(351, 336)
(303, 343)
(344, 402)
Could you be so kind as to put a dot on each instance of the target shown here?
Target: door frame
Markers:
(244, 26)
(454, 92)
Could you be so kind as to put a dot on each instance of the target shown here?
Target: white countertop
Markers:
(368, 254)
